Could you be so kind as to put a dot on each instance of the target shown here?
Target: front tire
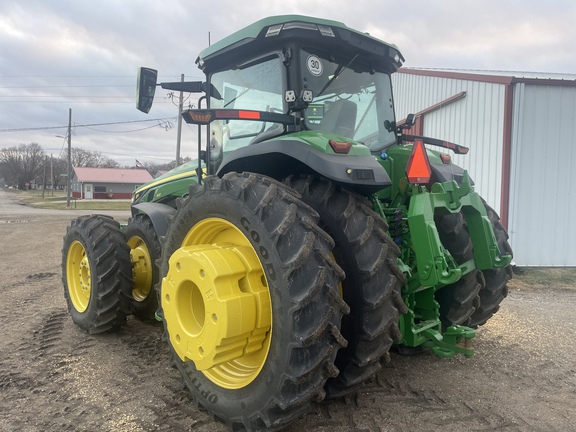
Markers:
(249, 300)
(373, 280)
(95, 270)
(145, 249)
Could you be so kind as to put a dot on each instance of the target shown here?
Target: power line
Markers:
(84, 125)
(193, 75)
(166, 125)
(66, 96)
(79, 102)
(65, 86)
(67, 76)
(77, 76)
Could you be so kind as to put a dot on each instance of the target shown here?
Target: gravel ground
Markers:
(54, 377)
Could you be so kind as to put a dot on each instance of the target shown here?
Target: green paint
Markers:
(319, 140)
(410, 210)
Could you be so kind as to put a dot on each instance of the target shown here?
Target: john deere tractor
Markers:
(310, 236)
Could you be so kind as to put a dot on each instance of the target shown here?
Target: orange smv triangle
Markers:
(418, 169)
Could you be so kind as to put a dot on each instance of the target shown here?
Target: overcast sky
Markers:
(84, 55)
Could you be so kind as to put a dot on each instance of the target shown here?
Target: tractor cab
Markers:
(291, 75)
(314, 72)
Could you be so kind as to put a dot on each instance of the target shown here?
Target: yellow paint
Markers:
(217, 305)
(78, 276)
(141, 268)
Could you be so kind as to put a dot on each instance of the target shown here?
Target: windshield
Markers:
(259, 87)
(348, 100)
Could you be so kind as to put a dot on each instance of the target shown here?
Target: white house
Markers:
(107, 183)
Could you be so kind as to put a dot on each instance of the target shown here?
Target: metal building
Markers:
(521, 131)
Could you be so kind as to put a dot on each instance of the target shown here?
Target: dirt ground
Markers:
(54, 377)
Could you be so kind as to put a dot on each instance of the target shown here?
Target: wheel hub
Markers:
(142, 268)
(78, 276)
(217, 305)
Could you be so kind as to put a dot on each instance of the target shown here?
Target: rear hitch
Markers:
(456, 339)
(435, 264)
(421, 326)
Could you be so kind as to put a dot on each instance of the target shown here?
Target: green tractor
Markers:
(311, 235)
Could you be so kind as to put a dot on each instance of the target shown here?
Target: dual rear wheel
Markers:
(109, 273)
(249, 292)
(373, 279)
(252, 292)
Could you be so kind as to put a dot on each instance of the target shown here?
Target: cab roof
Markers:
(263, 34)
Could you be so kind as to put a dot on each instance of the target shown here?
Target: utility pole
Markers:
(51, 175)
(179, 132)
(44, 176)
(68, 182)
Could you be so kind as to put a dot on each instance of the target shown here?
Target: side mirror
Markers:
(410, 120)
(406, 124)
(145, 88)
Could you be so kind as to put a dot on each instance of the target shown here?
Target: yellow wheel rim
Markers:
(141, 268)
(217, 305)
(78, 276)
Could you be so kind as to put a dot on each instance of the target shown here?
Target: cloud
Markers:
(84, 55)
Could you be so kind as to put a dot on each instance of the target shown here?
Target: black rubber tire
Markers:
(476, 297)
(373, 280)
(140, 228)
(459, 300)
(108, 258)
(306, 309)
(496, 288)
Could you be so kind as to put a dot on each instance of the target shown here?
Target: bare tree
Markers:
(106, 162)
(83, 158)
(59, 171)
(21, 164)
(87, 158)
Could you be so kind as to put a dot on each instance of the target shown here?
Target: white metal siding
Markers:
(476, 121)
(543, 174)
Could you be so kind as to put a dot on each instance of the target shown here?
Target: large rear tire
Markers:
(476, 297)
(496, 289)
(145, 250)
(249, 301)
(373, 280)
(95, 270)
(459, 300)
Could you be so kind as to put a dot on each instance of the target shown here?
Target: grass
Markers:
(56, 200)
(85, 205)
(32, 197)
(543, 277)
